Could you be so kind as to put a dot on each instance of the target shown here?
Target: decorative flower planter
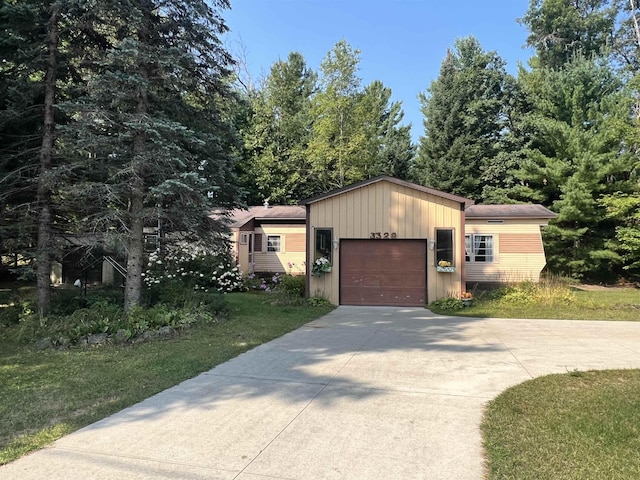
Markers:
(446, 269)
(467, 302)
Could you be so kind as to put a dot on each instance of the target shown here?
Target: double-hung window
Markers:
(478, 248)
(273, 243)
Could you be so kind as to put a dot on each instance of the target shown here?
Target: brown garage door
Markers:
(383, 272)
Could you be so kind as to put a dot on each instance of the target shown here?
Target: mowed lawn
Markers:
(47, 394)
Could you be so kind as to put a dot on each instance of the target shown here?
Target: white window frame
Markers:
(272, 249)
(473, 242)
(244, 238)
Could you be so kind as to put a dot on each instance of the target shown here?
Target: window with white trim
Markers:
(244, 238)
(273, 243)
(478, 248)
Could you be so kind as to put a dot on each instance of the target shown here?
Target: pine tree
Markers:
(152, 135)
(576, 154)
(463, 120)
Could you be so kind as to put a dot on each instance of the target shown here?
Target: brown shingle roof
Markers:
(277, 212)
(508, 211)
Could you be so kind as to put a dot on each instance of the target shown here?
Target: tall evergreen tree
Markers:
(276, 165)
(31, 65)
(151, 137)
(463, 120)
(576, 154)
(559, 29)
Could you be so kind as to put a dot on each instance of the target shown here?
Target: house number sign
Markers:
(383, 235)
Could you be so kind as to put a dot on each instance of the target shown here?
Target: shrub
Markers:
(293, 285)
(199, 268)
(318, 302)
(448, 303)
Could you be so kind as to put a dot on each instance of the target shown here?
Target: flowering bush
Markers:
(320, 266)
(194, 266)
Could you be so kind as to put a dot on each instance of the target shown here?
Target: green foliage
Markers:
(559, 30)
(464, 121)
(319, 302)
(625, 210)
(529, 293)
(192, 267)
(293, 285)
(447, 304)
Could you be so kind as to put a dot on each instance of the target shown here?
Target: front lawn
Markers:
(580, 425)
(47, 394)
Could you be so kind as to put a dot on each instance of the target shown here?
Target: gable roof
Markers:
(508, 211)
(386, 178)
(277, 212)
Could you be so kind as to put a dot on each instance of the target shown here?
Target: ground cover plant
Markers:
(579, 425)
(49, 393)
(549, 299)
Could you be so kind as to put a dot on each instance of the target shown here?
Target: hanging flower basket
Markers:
(320, 266)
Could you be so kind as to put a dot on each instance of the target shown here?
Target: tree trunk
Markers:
(45, 240)
(135, 258)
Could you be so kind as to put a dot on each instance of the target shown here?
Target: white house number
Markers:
(383, 235)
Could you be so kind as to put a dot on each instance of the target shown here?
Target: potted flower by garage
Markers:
(320, 266)
(467, 298)
(445, 266)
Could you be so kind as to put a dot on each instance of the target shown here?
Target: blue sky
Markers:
(402, 42)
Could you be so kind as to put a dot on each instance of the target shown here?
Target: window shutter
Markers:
(257, 242)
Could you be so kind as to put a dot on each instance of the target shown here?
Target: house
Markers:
(392, 242)
(503, 243)
(269, 239)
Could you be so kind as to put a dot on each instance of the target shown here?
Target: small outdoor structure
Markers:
(269, 239)
(503, 243)
(388, 241)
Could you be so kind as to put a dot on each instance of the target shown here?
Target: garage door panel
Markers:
(387, 272)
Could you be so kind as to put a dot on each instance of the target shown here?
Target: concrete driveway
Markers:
(362, 393)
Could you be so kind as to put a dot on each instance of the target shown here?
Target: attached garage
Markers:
(385, 240)
(393, 272)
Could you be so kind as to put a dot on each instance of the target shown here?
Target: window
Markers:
(151, 242)
(244, 238)
(324, 241)
(444, 245)
(478, 248)
(273, 243)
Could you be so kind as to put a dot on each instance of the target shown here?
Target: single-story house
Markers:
(392, 242)
(269, 239)
(503, 243)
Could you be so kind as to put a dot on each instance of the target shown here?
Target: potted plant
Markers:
(445, 266)
(467, 298)
(320, 266)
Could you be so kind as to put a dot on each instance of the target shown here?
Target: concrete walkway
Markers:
(362, 393)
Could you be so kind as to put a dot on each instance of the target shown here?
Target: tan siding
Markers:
(521, 243)
(386, 207)
(518, 251)
(295, 242)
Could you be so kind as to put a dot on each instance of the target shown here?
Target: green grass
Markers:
(47, 394)
(580, 425)
(610, 304)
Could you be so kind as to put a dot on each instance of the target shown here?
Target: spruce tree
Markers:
(152, 137)
(463, 120)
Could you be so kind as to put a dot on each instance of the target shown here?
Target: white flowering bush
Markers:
(194, 267)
